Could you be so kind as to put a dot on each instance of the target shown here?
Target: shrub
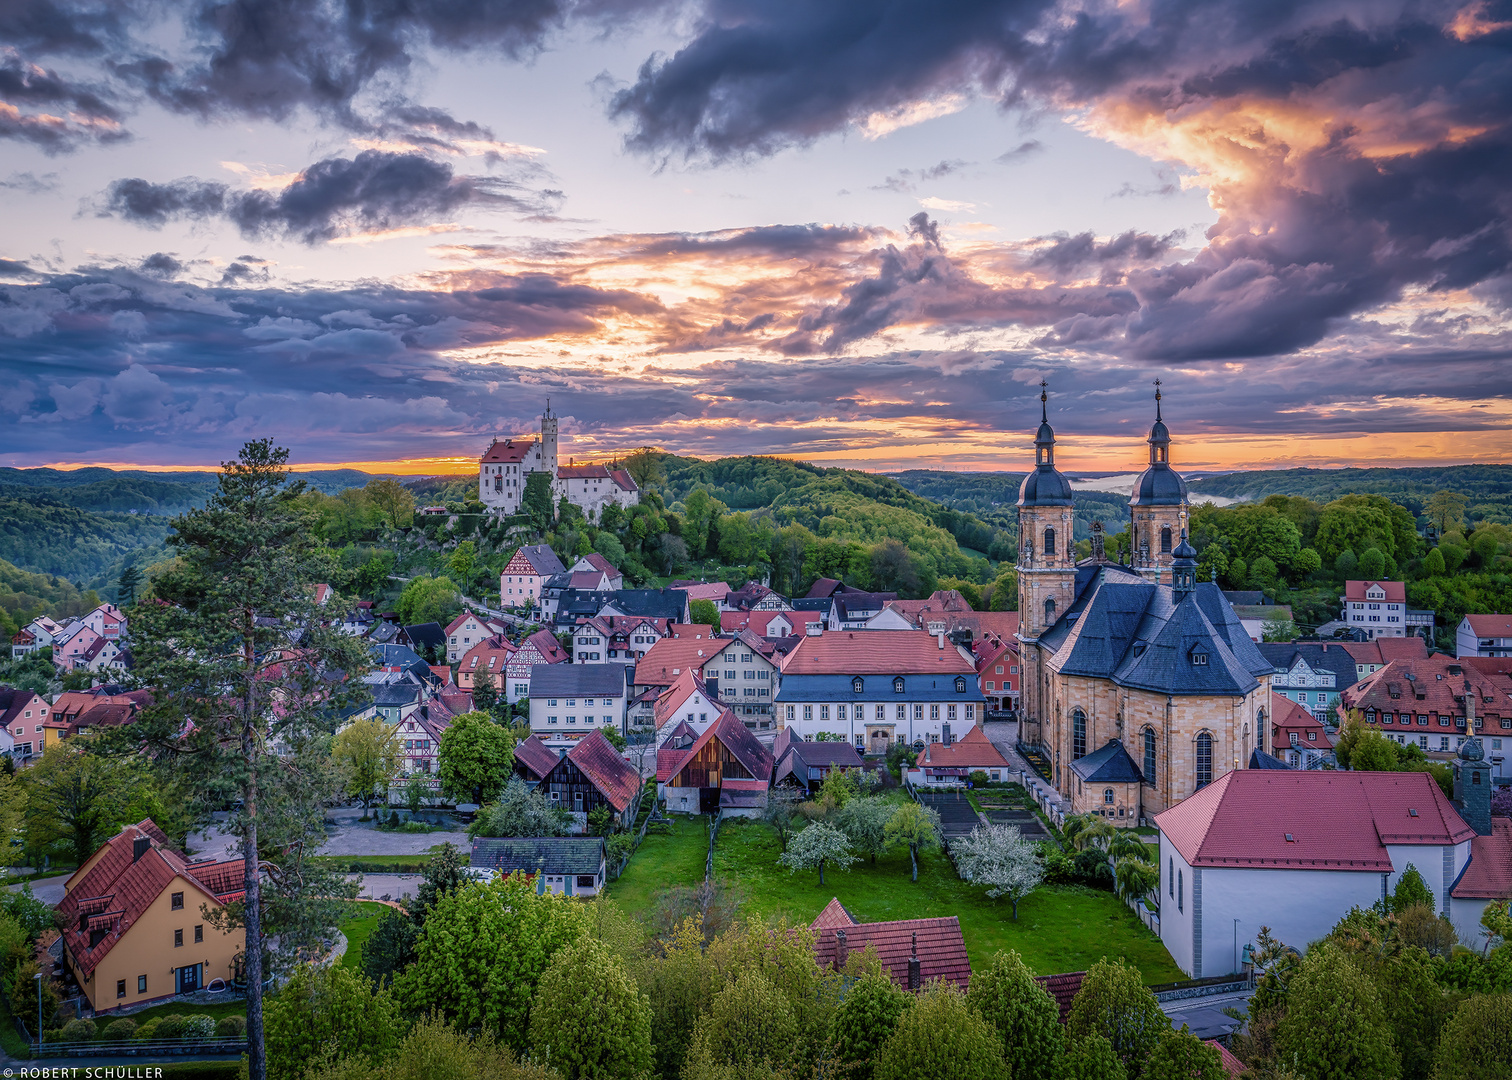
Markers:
(231, 1027)
(119, 1030)
(147, 1030)
(198, 1026)
(170, 1027)
(78, 1030)
(978, 778)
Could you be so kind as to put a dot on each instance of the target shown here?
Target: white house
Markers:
(465, 631)
(521, 579)
(1484, 635)
(1294, 851)
(567, 701)
(507, 464)
(1379, 608)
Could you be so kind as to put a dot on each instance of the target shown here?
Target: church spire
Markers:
(1160, 437)
(1044, 439)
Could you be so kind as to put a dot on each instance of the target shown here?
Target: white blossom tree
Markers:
(816, 845)
(999, 857)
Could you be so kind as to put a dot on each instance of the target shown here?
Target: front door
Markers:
(878, 738)
(188, 979)
(708, 800)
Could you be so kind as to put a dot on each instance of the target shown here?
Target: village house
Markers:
(568, 701)
(1484, 635)
(134, 910)
(1311, 674)
(23, 714)
(876, 687)
(1374, 655)
(526, 572)
(561, 865)
(1298, 738)
(533, 759)
(465, 631)
(734, 670)
(773, 624)
(914, 952)
(725, 769)
(107, 621)
(72, 642)
(951, 764)
(616, 639)
(1378, 608)
(1296, 850)
(997, 664)
(539, 648)
(754, 596)
(589, 775)
(688, 700)
(804, 765)
(40, 633)
(716, 591)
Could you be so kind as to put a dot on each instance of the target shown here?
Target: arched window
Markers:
(898, 685)
(1149, 755)
(1049, 542)
(1165, 539)
(960, 685)
(857, 685)
(1078, 734)
(1049, 611)
(1204, 760)
(1108, 796)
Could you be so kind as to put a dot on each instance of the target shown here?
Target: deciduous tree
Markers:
(1180, 1055)
(476, 757)
(1025, 1016)
(519, 811)
(1115, 1003)
(328, 1010)
(918, 827)
(1476, 1044)
(432, 1051)
(74, 794)
(589, 1020)
(1335, 1027)
(999, 857)
(366, 753)
(395, 500)
(815, 847)
(1090, 1057)
(941, 1038)
(866, 1018)
(864, 822)
(429, 599)
(749, 1029)
(705, 613)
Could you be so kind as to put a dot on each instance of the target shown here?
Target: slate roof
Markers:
(1144, 636)
(738, 739)
(1111, 764)
(13, 703)
(823, 588)
(1322, 656)
(551, 855)
(1488, 875)
(577, 680)
(1259, 759)
(541, 558)
(812, 603)
(850, 606)
(876, 652)
(816, 755)
(1337, 820)
(667, 604)
(941, 947)
(614, 777)
(536, 756)
(427, 634)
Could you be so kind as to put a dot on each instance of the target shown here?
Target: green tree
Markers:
(1433, 563)
(999, 857)
(1307, 563)
(390, 948)
(1278, 629)
(838, 788)
(1372, 564)
(941, 1038)
(484, 948)
(1180, 1055)
(918, 827)
(128, 584)
(1004, 590)
(705, 613)
(866, 1018)
(1335, 1027)
(1345, 564)
(445, 872)
(366, 753)
(476, 757)
(864, 822)
(520, 811)
(1115, 1003)
(485, 694)
(1134, 878)
(1090, 1057)
(536, 502)
(1411, 891)
(750, 1029)
(1446, 509)
(644, 466)
(1025, 1016)
(462, 561)
(75, 794)
(589, 1019)
(1476, 1043)
(434, 1051)
(429, 599)
(815, 847)
(395, 501)
(328, 1010)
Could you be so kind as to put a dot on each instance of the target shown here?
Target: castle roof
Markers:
(507, 451)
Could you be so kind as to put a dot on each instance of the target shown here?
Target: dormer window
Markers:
(960, 685)
(857, 685)
(898, 685)
(1199, 658)
(1139, 648)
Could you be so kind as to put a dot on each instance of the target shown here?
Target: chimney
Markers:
(915, 979)
(139, 847)
(842, 950)
(940, 637)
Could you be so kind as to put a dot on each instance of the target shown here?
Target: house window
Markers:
(808, 712)
(1199, 659)
(902, 713)
(1078, 734)
(1180, 892)
(790, 712)
(1000, 669)
(898, 685)
(199, 934)
(960, 685)
(950, 712)
(178, 939)
(176, 902)
(1149, 755)
(1204, 759)
(839, 712)
(141, 984)
(1171, 877)
(934, 714)
(823, 713)
(120, 988)
(857, 685)
(988, 686)
(919, 713)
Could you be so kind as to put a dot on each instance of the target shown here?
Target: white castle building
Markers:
(503, 468)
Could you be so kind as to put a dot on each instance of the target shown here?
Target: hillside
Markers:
(1489, 487)
(136, 490)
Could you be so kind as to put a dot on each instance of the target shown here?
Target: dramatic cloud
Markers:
(376, 190)
(41, 107)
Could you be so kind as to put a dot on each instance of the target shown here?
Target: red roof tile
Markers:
(536, 756)
(1489, 873)
(941, 947)
(703, 590)
(1063, 988)
(1396, 591)
(1287, 716)
(971, 751)
(875, 652)
(1231, 1065)
(613, 776)
(507, 451)
(1336, 820)
(1490, 626)
(672, 657)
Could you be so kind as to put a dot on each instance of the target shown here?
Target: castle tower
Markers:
(1158, 508)
(549, 442)
(1472, 775)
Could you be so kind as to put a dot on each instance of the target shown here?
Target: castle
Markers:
(1139, 683)
(504, 467)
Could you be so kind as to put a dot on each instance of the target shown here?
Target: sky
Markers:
(854, 232)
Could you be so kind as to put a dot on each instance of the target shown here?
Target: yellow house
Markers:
(133, 929)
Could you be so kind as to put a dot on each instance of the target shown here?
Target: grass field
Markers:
(663, 861)
(1058, 929)
(358, 927)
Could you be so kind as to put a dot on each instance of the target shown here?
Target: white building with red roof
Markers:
(465, 631)
(1484, 635)
(507, 464)
(1379, 608)
(1294, 851)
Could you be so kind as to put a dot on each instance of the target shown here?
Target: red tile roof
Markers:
(759, 622)
(672, 657)
(616, 779)
(598, 562)
(941, 947)
(1440, 679)
(673, 697)
(1489, 873)
(971, 751)
(536, 756)
(823, 588)
(1231, 1065)
(735, 737)
(1063, 988)
(875, 652)
(547, 645)
(1385, 650)
(1490, 626)
(1396, 591)
(703, 590)
(1336, 820)
(507, 451)
(1287, 716)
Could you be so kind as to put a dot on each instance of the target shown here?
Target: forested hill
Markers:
(1488, 487)
(137, 490)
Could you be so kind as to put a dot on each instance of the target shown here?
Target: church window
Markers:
(1078, 734)
(1050, 610)
(1049, 543)
(1180, 892)
(1171, 877)
(1204, 759)
(1149, 755)
(1165, 539)
(1107, 796)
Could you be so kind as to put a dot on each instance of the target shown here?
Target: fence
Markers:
(139, 1048)
(713, 832)
(640, 834)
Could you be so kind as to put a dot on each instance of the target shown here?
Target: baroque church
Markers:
(507, 463)
(1139, 683)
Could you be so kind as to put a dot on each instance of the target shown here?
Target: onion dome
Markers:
(1159, 484)
(1044, 486)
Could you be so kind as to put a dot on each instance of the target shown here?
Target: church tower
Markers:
(1158, 508)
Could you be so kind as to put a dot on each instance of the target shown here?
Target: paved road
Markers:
(1205, 1016)
(358, 838)
(49, 890)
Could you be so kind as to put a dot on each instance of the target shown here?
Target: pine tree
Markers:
(1024, 1014)
(126, 588)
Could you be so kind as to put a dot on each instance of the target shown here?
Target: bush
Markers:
(198, 1026)
(147, 1030)
(170, 1027)
(78, 1030)
(119, 1030)
(231, 1027)
(978, 778)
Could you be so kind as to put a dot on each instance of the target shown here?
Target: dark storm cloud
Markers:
(1066, 254)
(375, 190)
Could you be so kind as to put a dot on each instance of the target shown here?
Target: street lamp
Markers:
(38, 977)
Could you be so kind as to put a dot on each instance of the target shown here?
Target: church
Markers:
(1140, 685)
(507, 463)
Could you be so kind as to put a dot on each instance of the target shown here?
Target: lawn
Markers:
(230, 1007)
(1058, 929)
(663, 861)
(358, 926)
